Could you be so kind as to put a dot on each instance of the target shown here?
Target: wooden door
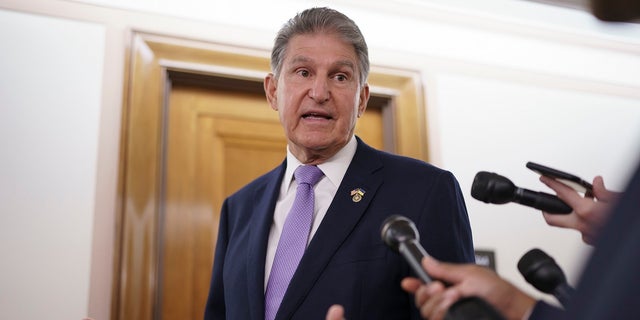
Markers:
(196, 128)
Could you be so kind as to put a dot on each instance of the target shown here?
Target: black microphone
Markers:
(541, 271)
(616, 10)
(401, 235)
(494, 188)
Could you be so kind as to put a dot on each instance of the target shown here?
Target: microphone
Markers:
(616, 10)
(490, 187)
(400, 234)
(541, 271)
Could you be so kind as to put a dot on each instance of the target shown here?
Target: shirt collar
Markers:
(334, 168)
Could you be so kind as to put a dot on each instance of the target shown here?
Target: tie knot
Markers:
(308, 174)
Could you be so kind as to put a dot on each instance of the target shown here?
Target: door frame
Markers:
(151, 61)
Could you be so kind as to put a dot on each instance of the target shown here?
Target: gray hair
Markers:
(315, 20)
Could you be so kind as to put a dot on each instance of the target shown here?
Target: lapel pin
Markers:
(357, 194)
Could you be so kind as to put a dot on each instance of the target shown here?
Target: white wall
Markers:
(49, 104)
(506, 82)
(498, 126)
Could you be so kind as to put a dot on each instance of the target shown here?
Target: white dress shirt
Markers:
(334, 170)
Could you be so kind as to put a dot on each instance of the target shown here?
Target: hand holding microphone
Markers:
(401, 235)
(490, 187)
(569, 209)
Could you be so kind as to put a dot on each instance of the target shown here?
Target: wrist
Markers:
(517, 305)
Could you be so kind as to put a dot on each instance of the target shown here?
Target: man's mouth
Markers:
(316, 115)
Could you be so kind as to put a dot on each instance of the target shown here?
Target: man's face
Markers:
(317, 95)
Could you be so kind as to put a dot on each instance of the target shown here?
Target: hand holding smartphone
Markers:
(568, 179)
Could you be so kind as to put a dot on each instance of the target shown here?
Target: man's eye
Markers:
(303, 73)
(341, 77)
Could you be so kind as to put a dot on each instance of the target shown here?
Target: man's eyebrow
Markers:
(345, 63)
(340, 63)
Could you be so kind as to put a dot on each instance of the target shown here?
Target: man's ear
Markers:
(364, 99)
(270, 86)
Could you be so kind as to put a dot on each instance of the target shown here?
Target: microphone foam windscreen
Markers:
(480, 187)
(532, 258)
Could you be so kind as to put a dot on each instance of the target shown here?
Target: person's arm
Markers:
(443, 223)
(466, 280)
(589, 214)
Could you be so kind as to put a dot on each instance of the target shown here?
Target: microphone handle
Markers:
(542, 201)
(413, 253)
(563, 293)
(470, 308)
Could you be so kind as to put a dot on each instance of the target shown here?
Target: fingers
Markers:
(429, 298)
(564, 192)
(588, 214)
(410, 284)
(450, 273)
(426, 293)
(561, 220)
(336, 312)
(598, 184)
(600, 191)
(434, 300)
(442, 271)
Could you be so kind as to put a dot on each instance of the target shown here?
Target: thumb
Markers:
(442, 271)
(600, 192)
(335, 312)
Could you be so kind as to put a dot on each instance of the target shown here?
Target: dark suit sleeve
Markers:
(444, 223)
(215, 308)
(609, 287)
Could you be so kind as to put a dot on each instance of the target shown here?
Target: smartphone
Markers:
(570, 180)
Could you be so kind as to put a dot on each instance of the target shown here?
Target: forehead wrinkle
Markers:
(300, 58)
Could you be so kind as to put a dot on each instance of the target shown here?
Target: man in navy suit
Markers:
(319, 88)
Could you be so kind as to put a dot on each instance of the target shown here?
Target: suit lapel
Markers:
(264, 199)
(342, 216)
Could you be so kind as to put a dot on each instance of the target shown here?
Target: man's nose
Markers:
(319, 90)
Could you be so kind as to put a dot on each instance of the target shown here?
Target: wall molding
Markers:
(500, 23)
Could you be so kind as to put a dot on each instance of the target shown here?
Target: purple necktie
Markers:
(293, 240)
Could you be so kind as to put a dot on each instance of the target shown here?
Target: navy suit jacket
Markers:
(346, 261)
(609, 287)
